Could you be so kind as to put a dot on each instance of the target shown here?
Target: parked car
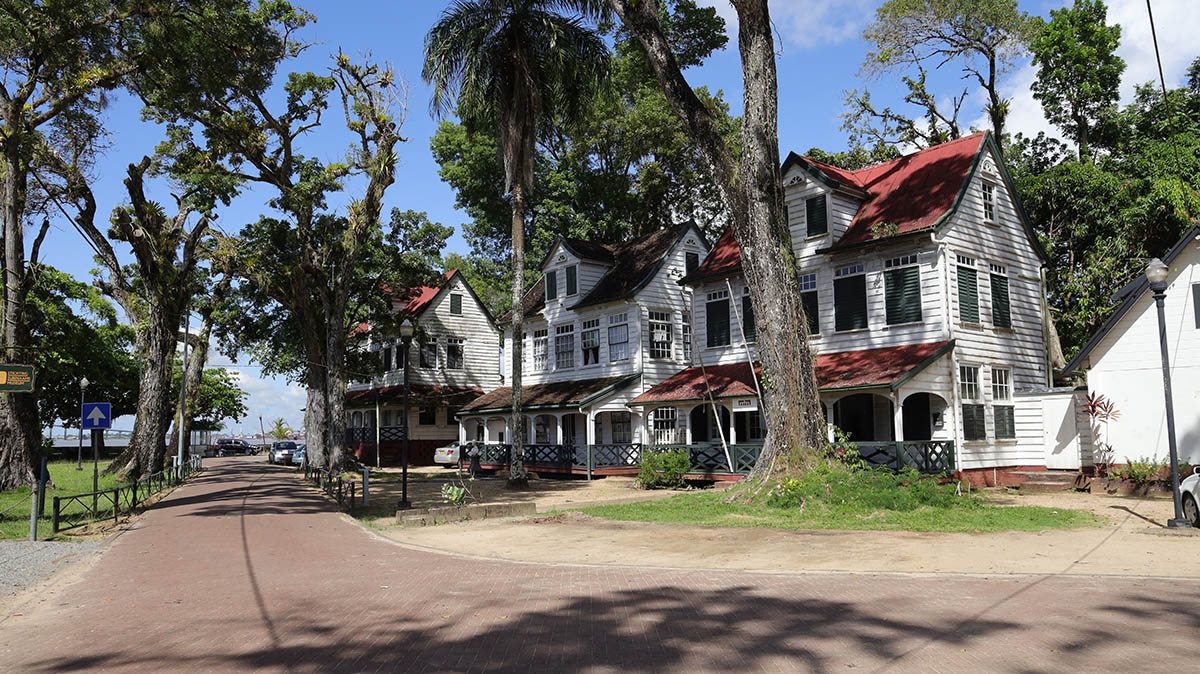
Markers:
(298, 455)
(231, 447)
(282, 452)
(1190, 488)
(447, 455)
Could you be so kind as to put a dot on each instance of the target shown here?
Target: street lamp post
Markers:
(1156, 274)
(406, 335)
(83, 384)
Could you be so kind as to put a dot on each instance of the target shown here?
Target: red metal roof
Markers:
(911, 192)
(842, 370)
(418, 393)
(425, 294)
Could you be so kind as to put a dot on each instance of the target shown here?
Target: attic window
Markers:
(691, 261)
(572, 280)
(1196, 304)
(456, 304)
(815, 214)
(551, 285)
(989, 201)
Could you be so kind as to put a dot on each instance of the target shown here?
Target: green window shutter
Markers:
(572, 283)
(716, 322)
(1001, 311)
(902, 290)
(850, 303)
(968, 295)
(691, 261)
(1006, 427)
(974, 425)
(456, 304)
(748, 320)
(551, 285)
(1196, 304)
(814, 212)
(811, 311)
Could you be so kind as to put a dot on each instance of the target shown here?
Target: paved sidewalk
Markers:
(247, 570)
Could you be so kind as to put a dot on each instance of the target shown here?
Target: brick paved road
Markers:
(245, 570)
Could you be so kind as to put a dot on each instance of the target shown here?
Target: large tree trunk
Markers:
(20, 431)
(197, 360)
(146, 450)
(795, 427)
(517, 476)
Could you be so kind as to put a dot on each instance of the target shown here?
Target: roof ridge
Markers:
(953, 141)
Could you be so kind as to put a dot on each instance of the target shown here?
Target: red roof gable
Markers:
(842, 370)
(425, 294)
(724, 258)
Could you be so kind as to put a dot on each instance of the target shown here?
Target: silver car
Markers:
(281, 452)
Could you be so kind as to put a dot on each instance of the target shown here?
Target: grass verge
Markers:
(67, 481)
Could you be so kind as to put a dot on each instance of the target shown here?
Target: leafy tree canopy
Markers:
(219, 397)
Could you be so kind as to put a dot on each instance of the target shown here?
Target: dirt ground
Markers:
(425, 490)
(1133, 542)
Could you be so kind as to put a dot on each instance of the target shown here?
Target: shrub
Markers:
(454, 494)
(864, 489)
(663, 469)
(1142, 470)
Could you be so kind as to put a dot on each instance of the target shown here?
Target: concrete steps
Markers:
(1045, 480)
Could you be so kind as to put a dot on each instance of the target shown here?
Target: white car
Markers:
(447, 455)
(281, 452)
(1190, 489)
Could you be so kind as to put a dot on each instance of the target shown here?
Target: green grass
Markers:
(67, 481)
(971, 514)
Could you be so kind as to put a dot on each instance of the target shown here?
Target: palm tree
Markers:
(521, 67)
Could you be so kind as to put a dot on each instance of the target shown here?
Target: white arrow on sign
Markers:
(96, 416)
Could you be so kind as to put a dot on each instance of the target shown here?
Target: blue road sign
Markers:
(97, 416)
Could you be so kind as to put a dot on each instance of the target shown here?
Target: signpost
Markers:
(16, 378)
(96, 417)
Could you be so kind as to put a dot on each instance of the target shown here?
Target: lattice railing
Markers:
(932, 457)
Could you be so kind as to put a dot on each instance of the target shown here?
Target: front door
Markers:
(1060, 440)
(918, 423)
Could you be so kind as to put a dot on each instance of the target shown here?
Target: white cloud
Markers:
(1177, 23)
(271, 397)
(808, 24)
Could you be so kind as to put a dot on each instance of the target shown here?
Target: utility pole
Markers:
(187, 324)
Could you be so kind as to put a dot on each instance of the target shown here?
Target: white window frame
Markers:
(541, 341)
(622, 427)
(1001, 384)
(685, 331)
(459, 298)
(462, 353)
(618, 350)
(988, 196)
(429, 347)
(591, 328)
(665, 422)
(660, 349)
(808, 281)
(969, 384)
(564, 347)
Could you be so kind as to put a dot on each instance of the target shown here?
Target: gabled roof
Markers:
(572, 394)
(905, 196)
(580, 248)
(633, 264)
(1128, 297)
(868, 368)
(424, 295)
(419, 394)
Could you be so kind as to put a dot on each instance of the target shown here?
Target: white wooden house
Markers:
(455, 358)
(922, 281)
(1123, 363)
(604, 323)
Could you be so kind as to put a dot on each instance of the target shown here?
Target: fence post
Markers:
(134, 499)
(367, 482)
(54, 516)
(899, 455)
(116, 504)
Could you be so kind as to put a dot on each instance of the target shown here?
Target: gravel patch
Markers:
(22, 564)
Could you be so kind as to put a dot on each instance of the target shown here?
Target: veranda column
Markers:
(898, 417)
(732, 426)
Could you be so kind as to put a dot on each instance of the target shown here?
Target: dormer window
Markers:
(816, 216)
(456, 304)
(551, 285)
(572, 280)
(989, 201)
(690, 262)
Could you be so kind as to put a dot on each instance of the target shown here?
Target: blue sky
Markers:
(819, 53)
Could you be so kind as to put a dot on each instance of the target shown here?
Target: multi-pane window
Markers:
(748, 326)
(690, 262)
(660, 334)
(816, 216)
(1002, 408)
(902, 289)
(808, 298)
(572, 280)
(429, 353)
(456, 304)
(564, 346)
(589, 340)
(665, 428)
(968, 290)
(454, 354)
(540, 364)
(686, 332)
(427, 416)
(989, 201)
(387, 357)
(974, 424)
(618, 337)
(850, 298)
(622, 427)
(551, 285)
(716, 318)
(1001, 310)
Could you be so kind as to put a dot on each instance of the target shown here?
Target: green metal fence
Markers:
(77, 510)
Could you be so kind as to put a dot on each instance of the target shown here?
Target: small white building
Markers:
(1123, 363)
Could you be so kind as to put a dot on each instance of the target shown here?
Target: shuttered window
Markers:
(691, 261)
(902, 291)
(850, 303)
(814, 212)
(968, 295)
(551, 285)
(716, 321)
(1001, 312)
(456, 304)
(1196, 304)
(809, 300)
(974, 425)
(572, 280)
(1006, 426)
(748, 320)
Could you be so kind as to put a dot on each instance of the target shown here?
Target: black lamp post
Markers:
(406, 335)
(1156, 274)
(83, 384)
